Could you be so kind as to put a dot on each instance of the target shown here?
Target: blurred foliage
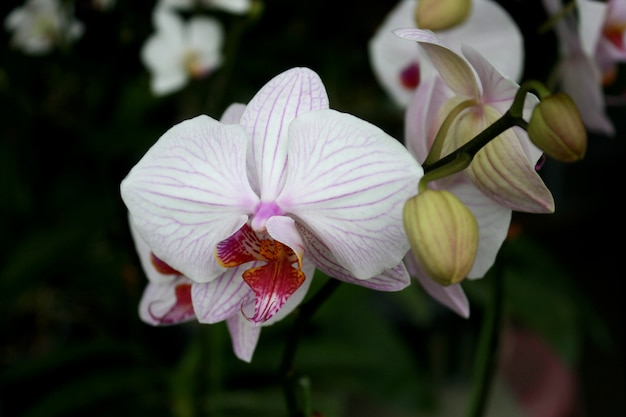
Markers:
(74, 122)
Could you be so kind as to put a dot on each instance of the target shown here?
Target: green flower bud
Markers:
(443, 234)
(441, 14)
(557, 129)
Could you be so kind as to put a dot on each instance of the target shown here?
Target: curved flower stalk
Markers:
(471, 94)
(179, 51)
(579, 73)
(399, 66)
(41, 25)
(247, 207)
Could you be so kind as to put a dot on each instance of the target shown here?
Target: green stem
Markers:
(473, 146)
(297, 389)
(487, 349)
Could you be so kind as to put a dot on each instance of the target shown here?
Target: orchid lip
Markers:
(263, 211)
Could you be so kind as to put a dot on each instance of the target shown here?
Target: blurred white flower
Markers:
(40, 25)
(180, 50)
(231, 6)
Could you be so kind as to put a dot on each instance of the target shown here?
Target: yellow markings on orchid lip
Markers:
(272, 282)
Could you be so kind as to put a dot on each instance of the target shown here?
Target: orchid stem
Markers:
(297, 388)
(488, 342)
(473, 146)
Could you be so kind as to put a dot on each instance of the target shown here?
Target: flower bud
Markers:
(441, 14)
(443, 234)
(557, 129)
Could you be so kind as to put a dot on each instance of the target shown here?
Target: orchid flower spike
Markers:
(471, 94)
(401, 66)
(179, 51)
(249, 206)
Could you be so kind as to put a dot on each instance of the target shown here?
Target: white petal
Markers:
(495, 86)
(158, 299)
(267, 118)
(189, 192)
(144, 252)
(393, 279)
(347, 182)
(233, 113)
(223, 297)
(454, 70)
(244, 335)
(206, 37)
(389, 56)
(232, 6)
(451, 296)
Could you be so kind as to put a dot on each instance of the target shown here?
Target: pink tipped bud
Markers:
(441, 14)
(443, 234)
(557, 129)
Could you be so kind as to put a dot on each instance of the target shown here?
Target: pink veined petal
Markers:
(495, 86)
(189, 192)
(347, 182)
(493, 225)
(452, 296)
(454, 70)
(393, 279)
(223, 297)
(266, 120)
(167, 303)
(144, 252)
(244, 335)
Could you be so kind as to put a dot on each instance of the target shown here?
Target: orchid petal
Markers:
(144, 252)
(592, 16)
(420, 133)
(167, 303)
(454, 70)
(267, 118)
(283, 229)
(244, 336)
(452, 296)
(494, 34)
(347, 182)
(393, 279)
(231, 6)
(389, 57)
(580, 78)
(233, 113)
(495, 86)
(189, 192)
(206, 36)
(223, 297)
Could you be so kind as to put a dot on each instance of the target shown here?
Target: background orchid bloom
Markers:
(255, 198)
(40, 25)
(577, 72)
(611, 47)
(399, 66)
(231, 6)
(502, 176)
(180, 50)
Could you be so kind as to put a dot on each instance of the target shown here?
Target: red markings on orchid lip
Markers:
(272, 283)
(182, 310)
(410, 76)
(161, 266)
(615, 35)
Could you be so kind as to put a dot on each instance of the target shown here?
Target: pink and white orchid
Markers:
(179, 51)
(399, 66)
(578, 72)
(246, 208)
(502, 175)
